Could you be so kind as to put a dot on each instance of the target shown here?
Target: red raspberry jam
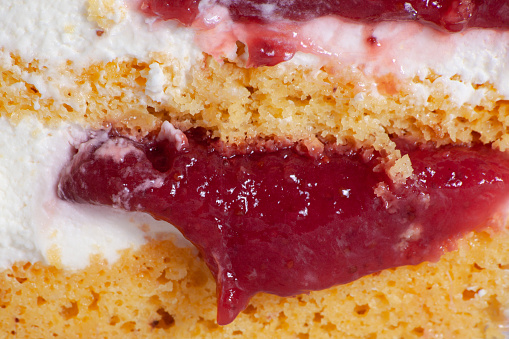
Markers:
(277, 220)
(184, 11)
(450, 15)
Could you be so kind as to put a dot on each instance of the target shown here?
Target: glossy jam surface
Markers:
(277, 220)
(184, 11)
(451, 15)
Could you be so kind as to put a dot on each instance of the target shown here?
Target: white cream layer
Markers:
(55, 31)
(37, 226)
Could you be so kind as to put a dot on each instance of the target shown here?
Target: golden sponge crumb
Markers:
(238, 103)
(162, 291)
(106, 13)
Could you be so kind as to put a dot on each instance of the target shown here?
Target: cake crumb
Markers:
(106, 13)
(401, 170)
(54, 256)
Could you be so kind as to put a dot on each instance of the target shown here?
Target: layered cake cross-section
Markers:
(254, 168)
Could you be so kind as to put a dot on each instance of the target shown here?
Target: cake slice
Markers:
(265, 81)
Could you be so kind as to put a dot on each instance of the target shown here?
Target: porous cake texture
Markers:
(162, 291)
(236, 103)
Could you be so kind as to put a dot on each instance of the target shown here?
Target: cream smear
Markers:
(37, 226)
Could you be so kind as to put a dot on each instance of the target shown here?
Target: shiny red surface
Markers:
(283, 222)
(451, 15)
(184, 11)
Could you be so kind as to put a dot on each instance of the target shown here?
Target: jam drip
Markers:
(284, 222)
